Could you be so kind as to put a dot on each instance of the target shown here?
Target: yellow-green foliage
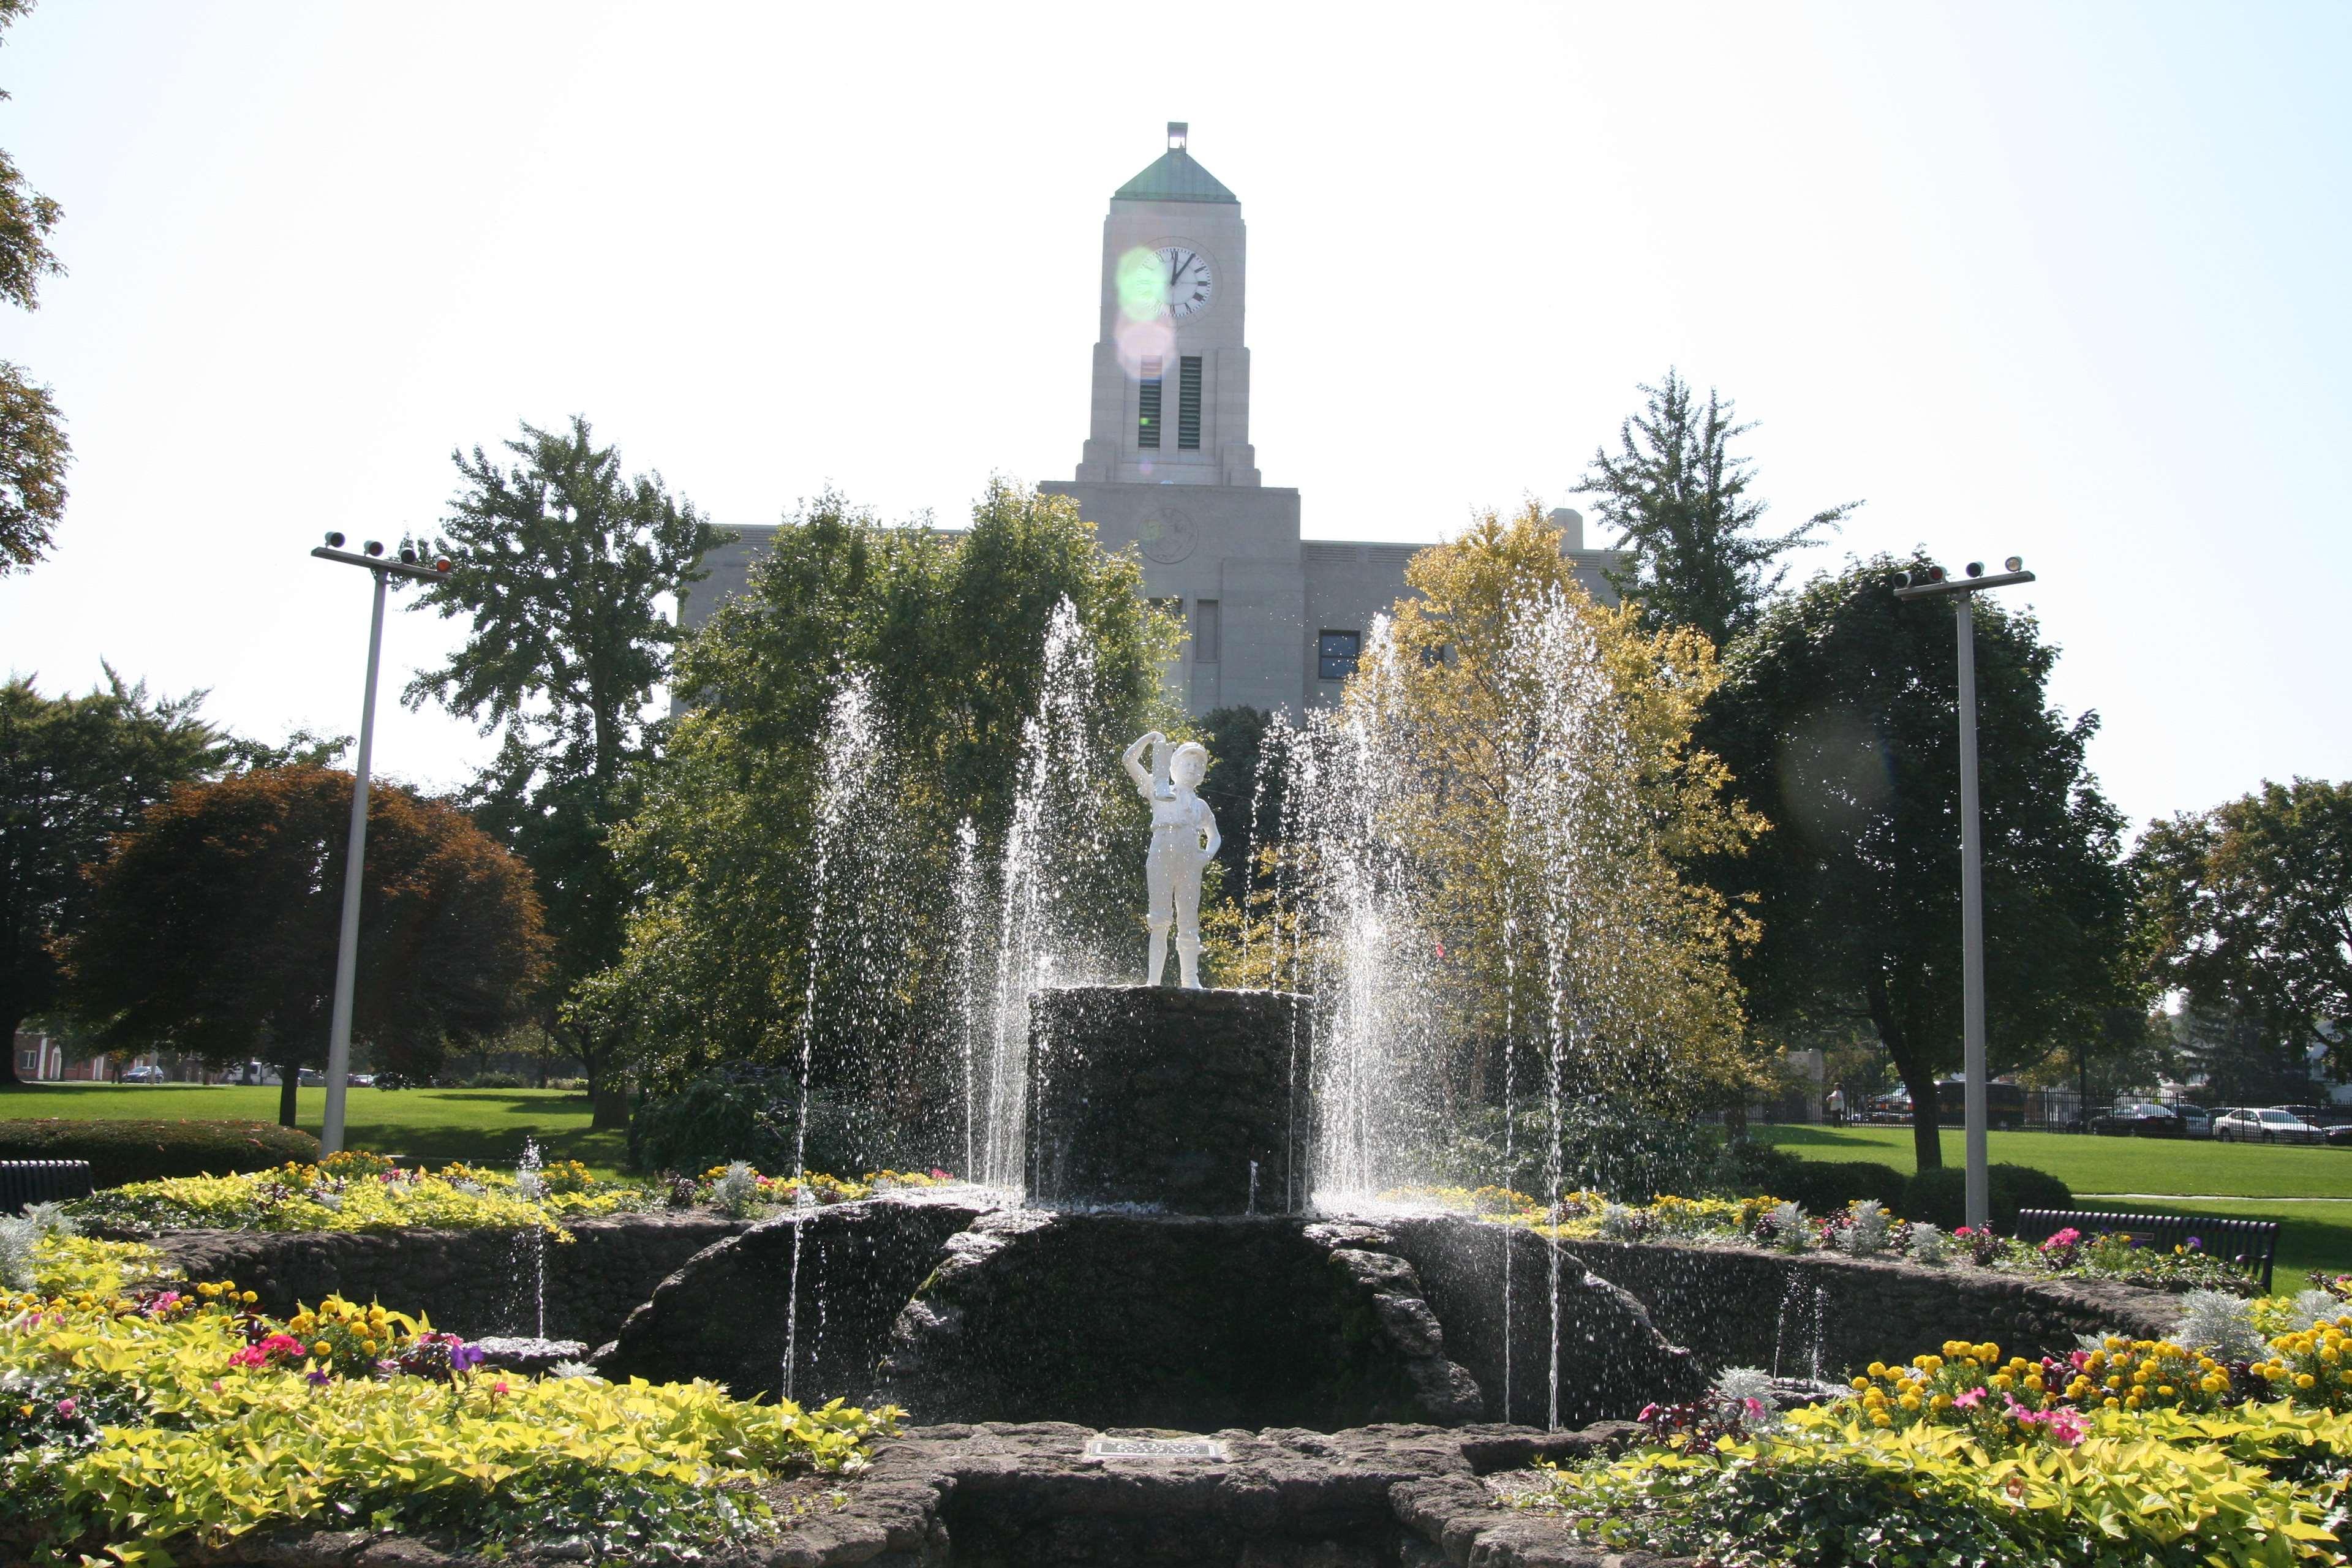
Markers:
(2136, 1487)
(348, 1193)
(145, 1418)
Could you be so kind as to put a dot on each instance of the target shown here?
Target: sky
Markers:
(2064, 282)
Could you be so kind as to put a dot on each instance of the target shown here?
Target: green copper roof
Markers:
(1175, 178)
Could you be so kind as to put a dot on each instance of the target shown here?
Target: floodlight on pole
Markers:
(1932, 584)
(346, 948)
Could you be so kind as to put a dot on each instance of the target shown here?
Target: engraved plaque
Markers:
(1155, 1448)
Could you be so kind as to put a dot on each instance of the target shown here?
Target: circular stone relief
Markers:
(1168, 538)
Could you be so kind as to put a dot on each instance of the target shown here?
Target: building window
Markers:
(1335, 654)
(1188, 403)
(1204, 631)
(1147, 406)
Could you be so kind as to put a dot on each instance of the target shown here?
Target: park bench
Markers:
(2253, 1242)
(28, 1182)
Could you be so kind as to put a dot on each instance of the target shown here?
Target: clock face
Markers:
(1189, 286)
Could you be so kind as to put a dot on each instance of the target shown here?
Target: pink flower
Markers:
(500, 1386)
(1964, 1230)
(2064, 1238)
(1969, 1400)
(1755, 1406)
(66, 1406)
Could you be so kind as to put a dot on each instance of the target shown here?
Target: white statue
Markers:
(1184, 839)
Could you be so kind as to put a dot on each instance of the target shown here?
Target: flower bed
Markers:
(360, 1191)
(2217, 1446)
(1864, 1228)
(142, 1415)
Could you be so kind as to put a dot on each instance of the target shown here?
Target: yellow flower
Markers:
(1881, 1418)
(1878, 1369)
(2109, 1403)
(249, 1298)
(367, 1347)
(1909, 1402)
(2304, 1380)
(2165, 1389)
(1860, 1382)
(322, 1349)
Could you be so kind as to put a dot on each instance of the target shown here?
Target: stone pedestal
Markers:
(1165, 1097)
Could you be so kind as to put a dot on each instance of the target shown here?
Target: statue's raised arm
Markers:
(1132, 759)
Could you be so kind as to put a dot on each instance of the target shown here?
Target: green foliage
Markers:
(75, 772)
(562, 565)
(1235, 738)
(33, 447)
(2252, 907)
(1823, 1186)
(716, 1118)
(948, 629)
(34, 452)
(1940, 1196)
(1679, 500)
(1837, 718)
(136, 1151)
(212, 929)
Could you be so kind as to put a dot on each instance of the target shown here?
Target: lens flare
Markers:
(1142, 285)
(1141, 342)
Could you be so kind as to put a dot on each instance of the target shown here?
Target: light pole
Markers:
(1932, 584)
(347, 950)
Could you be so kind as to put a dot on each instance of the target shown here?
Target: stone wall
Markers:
(473, 1282)
(1158, 1096)
(1742, 1306)
(1194, 1322)
(726, 1316)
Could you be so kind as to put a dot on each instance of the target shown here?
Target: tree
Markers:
(75, 772)
(1523, 740)
(1236, 738)
(1679, 501)
(948, 631)
(563, 564)
(34, 450)
(212, 928)
(2252, 903)
(1837, 718)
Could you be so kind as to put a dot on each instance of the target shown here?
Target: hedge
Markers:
(1940, 1197)
(136, 1151)
(1826, 1186)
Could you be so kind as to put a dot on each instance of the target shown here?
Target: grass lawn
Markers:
(2089, 1165)
(2233, 1179)
(486, 1126)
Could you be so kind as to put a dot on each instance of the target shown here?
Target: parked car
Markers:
(2271, 1125)
(149, 1074)
(362, 1080)
(2320, 1116)
(2196, 1122)
(2141, 1120)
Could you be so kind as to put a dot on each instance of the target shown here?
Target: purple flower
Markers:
(465, 1358)
(2195, 1245)
(318, 1379)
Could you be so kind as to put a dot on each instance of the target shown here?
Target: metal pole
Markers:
(1972, 1005)
(347, 950)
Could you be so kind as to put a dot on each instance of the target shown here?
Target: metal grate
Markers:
(1147, 406)
(1188, 403)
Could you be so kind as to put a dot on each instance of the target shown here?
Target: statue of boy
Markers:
(1184, 838)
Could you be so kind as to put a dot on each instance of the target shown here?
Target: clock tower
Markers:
(1167, 465)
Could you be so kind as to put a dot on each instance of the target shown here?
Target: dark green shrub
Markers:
(1940, 1197)
(741, 1114)
(496, 1081)
(133, 1151)
(1744, 1168)
(1826, 1186)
